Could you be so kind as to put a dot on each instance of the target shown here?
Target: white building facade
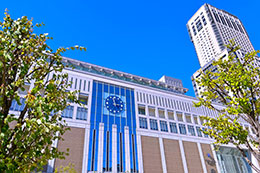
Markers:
(134, 124)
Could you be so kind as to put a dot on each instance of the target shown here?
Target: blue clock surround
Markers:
(114, 104)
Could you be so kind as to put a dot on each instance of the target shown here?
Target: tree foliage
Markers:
(25, 58)
(236, 85)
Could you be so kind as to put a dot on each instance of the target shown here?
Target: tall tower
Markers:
(210, 29)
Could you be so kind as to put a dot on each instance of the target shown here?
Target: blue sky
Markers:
(143, 37)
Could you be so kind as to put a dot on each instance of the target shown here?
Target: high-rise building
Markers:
(210, 29)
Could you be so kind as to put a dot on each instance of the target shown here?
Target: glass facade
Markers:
(123, 120)
(231, 160)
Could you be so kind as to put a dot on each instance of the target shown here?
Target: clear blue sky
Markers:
(143, 37)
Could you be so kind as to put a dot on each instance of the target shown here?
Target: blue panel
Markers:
(99, 113)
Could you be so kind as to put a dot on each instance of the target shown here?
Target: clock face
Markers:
(114, 104)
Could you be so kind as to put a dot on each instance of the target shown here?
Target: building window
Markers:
(161, 113)
(201, 121)
(164, 127)
(170, 115)
(16, 107)
(205, 135)
(223, 20)
(228, 22)
(195, 119)
(182, 129)
(82, 113)
(68, 112)
(199, 25)
(204, 20)
(198, 130)
(240, 28)
(173, 127)
(151, 111)
(143, 123)
(153, 124)
(141, 109)
(216, 17)
(188, 118)
(194, 30)
(191, 130)
(83, 98)
(235, 26)
(179, 116)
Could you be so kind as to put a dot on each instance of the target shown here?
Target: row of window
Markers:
(198, 24)
(164, 102)
(227, 22)
(82, 113)
(173, 104)
(170, 114)
(183, 129)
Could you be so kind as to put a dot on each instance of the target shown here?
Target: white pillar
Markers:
(162, 156)
(100, 147)
(202, 158)
(86, 145)
(114, 148)
(184, 163)
(127, 150)
(215, 157)
(139, 150)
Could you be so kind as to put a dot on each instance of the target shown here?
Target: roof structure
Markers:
(84, 66)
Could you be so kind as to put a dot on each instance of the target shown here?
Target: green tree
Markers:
(25, 58)
(236, 86)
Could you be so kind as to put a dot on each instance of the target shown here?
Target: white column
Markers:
(183, 157)
(127, 150)
(215, 157)
(114, 148)
(100, 147)
(255, 162)
(85, 155)
(139, 150)
(162, 155)
(202, 158)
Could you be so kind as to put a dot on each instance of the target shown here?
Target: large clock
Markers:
(114, 104)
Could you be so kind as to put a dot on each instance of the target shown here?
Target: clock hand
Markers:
(114, 102)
